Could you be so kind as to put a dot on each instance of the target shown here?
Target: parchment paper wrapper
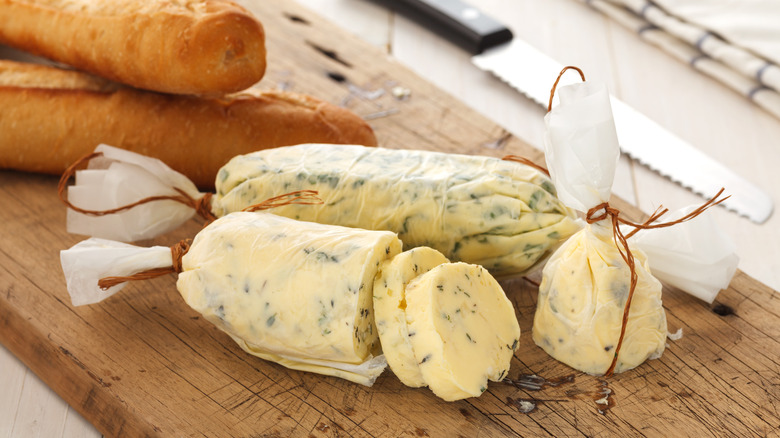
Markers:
(90, 260)
(581, 148)
(694, 256)
(120, 178)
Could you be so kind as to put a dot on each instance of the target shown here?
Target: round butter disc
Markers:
(462, 327)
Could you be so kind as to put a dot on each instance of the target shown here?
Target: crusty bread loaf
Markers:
(50, 117)
(175, 46)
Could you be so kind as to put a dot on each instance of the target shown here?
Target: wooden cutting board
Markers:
(143, 363)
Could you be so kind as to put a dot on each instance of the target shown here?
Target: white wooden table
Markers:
(696, 108)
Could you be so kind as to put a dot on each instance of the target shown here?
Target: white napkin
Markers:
(734, 41)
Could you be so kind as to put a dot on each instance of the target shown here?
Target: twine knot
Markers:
(601, 212)
(177, 253)
(203, 207)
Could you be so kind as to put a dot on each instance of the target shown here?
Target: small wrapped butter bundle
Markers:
(296, 293)
(599, 307)
(584, 290)
(500, 214)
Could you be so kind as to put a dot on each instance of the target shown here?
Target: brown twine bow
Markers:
(177, 252)
(604, 211)
(299, 197)
(527, 162)
(202, 206)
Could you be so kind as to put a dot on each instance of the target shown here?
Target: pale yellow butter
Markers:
(482, 210)
(462, 328)
(390, 309)
(298, 293)
(582, 295)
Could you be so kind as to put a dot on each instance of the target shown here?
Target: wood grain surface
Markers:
(144, 364)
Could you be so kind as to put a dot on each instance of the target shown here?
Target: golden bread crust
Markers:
(205, 47)
(54, 116)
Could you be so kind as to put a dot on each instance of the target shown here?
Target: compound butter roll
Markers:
(481, 210)
(311, 296)
(292, 292)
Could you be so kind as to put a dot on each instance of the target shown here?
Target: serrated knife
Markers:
(532, 73)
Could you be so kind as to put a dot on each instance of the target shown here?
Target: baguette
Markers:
(173, 46)
(51, 117)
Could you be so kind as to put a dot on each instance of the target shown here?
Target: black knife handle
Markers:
(455, 20)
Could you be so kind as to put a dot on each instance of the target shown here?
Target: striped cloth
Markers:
(734, 41)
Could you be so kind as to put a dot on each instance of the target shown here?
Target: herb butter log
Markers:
(482, 210)
(579, 312)
(292, 292)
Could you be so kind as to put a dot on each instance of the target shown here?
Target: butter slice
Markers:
(462, 327)
(582, 295)
(390, 309)
(298, 293)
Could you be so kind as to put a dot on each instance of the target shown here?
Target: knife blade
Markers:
(532, 73)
